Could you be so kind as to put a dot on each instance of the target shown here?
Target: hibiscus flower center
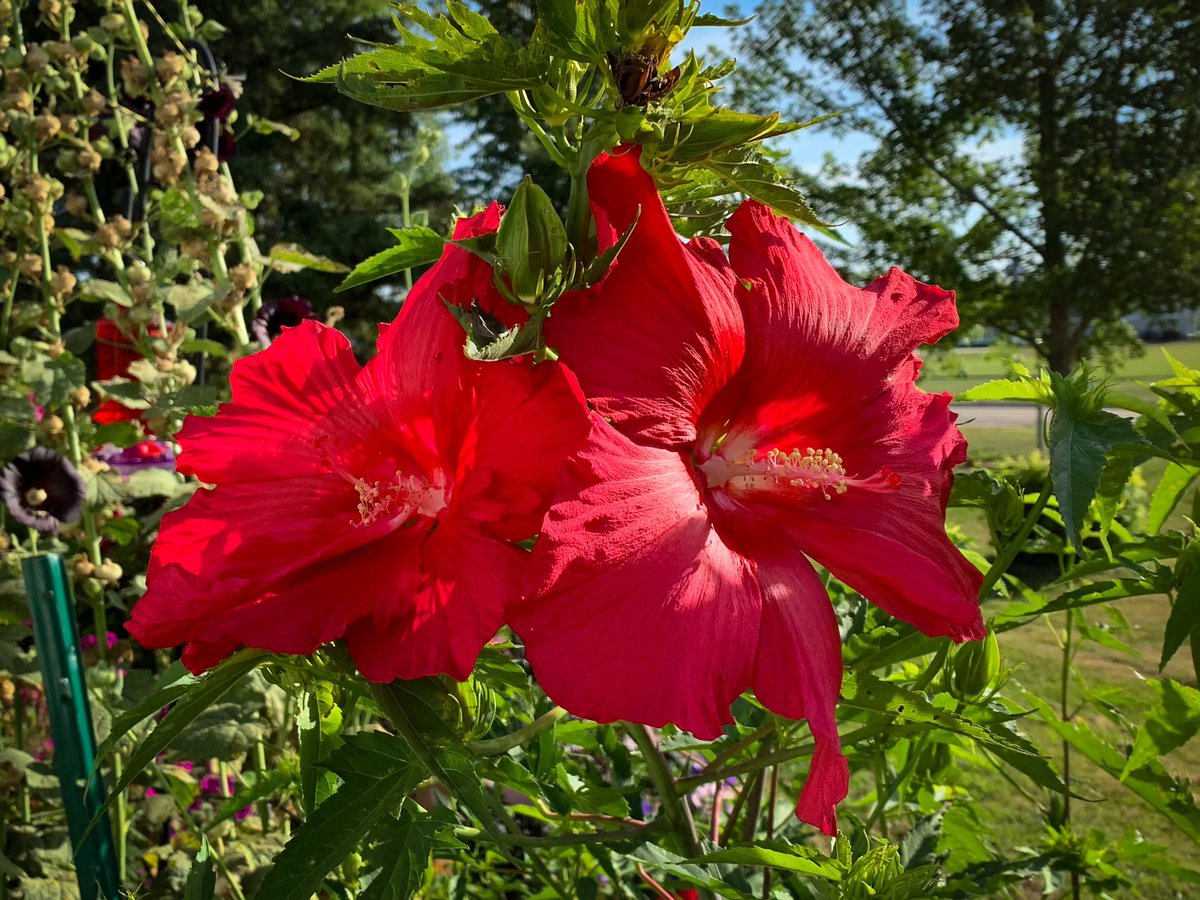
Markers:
(805, 471)
(398, 499)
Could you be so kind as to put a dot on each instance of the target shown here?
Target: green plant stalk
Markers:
(260, 763)
(121, 810)
(19, 738)
(885, 794)
(1068, 655)
(497, 746)
(674, 807)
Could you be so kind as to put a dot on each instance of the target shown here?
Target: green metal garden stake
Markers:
(49, 593)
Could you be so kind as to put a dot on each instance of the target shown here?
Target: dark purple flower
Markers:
(42, 490)
(142, 455)
(227, 147)
(276, 315)
(217, 104)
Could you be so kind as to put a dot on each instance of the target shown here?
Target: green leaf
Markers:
(289, 258)
(1172, 485)
(1081, 435)
(416, 246)
(1185, 612)
(578, 31)
(258, 786)
(190, 301)
(745, 170)
(378, 776)
(487, 338)
(1036, 390)
(777, 855)
(1169, 724)
(909, 707)
(152, 483)
(1111, 488)
(101, 291)
(401, 856)
(202, 878)
(191, 699)
(203, 345)
(1169, 797)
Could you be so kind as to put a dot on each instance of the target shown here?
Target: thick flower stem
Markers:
(674, 808)
(497, 746)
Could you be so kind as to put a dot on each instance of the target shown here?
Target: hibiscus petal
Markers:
(230, 546)
(530, 419)
(662, 334)
(798, 670)
(279, 394)
(453, 610)
(635, 608)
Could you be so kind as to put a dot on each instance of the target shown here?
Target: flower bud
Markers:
(94, 103)
(77, 205)
(113, 23)
(80, 397)
(243, 277)
(52, 425)
(46, 127)
(81, 567)
(87, 158)
(975, 667)
(109, 572)
(36, 59)
(63, 282)
(531, 242)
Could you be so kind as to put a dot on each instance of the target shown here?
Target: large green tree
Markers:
(1042, 157)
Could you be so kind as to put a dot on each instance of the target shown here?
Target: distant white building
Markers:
(1164, 326)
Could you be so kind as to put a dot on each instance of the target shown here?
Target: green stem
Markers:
(497, 746)
(260, 763)
(674, 808)
(570, 840)
(885, 794)
(122, 817)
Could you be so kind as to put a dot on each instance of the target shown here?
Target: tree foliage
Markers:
(1041, 158)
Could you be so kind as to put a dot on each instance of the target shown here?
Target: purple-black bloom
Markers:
(42, 490)
(276, 315)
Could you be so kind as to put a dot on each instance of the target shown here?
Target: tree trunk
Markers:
(1063, 349)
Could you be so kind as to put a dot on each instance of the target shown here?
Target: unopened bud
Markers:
(243, 277)
(976, 667)
(108, 572)
(63, 282)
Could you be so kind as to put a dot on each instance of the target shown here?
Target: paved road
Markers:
(1006, 415)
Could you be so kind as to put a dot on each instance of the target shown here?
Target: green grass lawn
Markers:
(963, 367)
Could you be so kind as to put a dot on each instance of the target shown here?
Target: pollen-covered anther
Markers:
(811, 469)
(397, 500)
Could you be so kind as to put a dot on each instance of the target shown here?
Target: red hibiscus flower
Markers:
(763, 412)
(373, 503)
(115, 352)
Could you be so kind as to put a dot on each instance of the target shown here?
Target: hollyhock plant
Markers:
(42, 490)
(763, 413)
(115, 352)
(374, 503)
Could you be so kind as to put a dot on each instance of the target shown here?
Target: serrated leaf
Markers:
(402, 854)
(1171, 722)
(1030, 389)
(416, 246)
(102, 291)
(190, 301)
(290, 258)
(1113, 478)
(1172, 485)
(1185, 611)
(744, 170)
(487, 338)
(1081, 435)
(202, 877)
(375, 786)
